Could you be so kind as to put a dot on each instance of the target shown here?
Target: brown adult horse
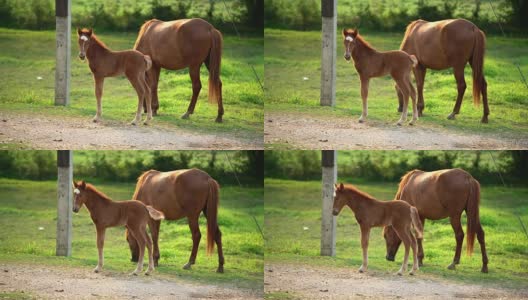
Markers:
(107, 213)
(370, 212)
(179, 194)
(438, 195)
(371, 63)
(180, 44)
(107, 63)
(447, 44)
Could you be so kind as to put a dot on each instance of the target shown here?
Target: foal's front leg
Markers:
(365, 233)
(99, 81)
(364, 95)
(100, 245)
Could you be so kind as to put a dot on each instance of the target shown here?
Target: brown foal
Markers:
(370, 212)
(371, 63)
(107, 63)
(107, 213)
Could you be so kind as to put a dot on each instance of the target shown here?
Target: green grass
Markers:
(27, 205)
(28, 54)
(292, 205)
(292, 55)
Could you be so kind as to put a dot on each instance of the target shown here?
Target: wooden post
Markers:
(65, 202)
(328, 221)
(328, 58)
(63, 51)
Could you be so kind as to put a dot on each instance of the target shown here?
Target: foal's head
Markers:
(80, 195)
(339, 198)
(392, 241)
(349, 40)
(84, 37)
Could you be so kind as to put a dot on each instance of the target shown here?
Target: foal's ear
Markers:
(79, 31)
(74, 184)
(344, 32)
(82, 185)
(355, 32)
(341, 186)
(90, 31)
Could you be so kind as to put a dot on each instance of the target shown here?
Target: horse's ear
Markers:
(341, 186)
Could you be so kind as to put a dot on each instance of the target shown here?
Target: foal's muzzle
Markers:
(335, 212)
(347, 57)
(75, 210)
(82, 56)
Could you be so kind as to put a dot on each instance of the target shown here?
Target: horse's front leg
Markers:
(364, 95)
(99, 81)
(100, 245)
(365, 233)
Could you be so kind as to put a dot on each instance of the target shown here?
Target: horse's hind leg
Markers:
(419, 76)
(482, 242)
(154, 231)
(134, 249)
(196, 236)
(365, 233)
(400, 98)
(459, 236)
(152, 76)
(461, 88)
(194, 72)
(218, 241)
(485, 101)
(421, 254)
(147, 97)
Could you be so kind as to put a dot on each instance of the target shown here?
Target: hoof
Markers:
(451, 116)
(187, 266)
(484, 120)
(452, 266)
(399, 124)
(185, 116)
(96, 271)
(134, 259)
(411, 273)
(133, 274)
(360, 121)
(220, 269)
(400, 273)
(155, 263)
(484, 269)
(219, 120)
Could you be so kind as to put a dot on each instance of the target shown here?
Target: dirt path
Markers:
(52, 132)
(306, 282)
(68, 283)
(304, 131)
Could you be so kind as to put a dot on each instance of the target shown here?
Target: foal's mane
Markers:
(355, 190)
(364, 42)
(98, 193)
(403, 182)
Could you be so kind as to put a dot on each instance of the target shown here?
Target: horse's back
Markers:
(440, 44)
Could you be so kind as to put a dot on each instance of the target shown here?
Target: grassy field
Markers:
(25, 206)
(292, 68)
(293, 206)
(27, 55)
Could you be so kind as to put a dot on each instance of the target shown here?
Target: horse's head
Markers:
(79, 190)
(393, 242)
(349, 40)
(84, 37)
(339, 198)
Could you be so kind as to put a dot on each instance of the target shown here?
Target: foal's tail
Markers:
(215, 59)
(477, 64)
(414, 60)
(154, 213)
(417, 224)
(211, 215)
(148, 61)
(472, 212)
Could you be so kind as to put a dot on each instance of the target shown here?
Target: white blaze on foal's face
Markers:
(77, 201)
(348, 46)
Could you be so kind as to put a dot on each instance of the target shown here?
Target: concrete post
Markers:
(328, 221)
(328, 59)
(63, 51)
(65, 202)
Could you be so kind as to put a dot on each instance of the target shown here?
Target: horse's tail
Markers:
(472, 212)
(403, 183)
(417, 224)
(148, 61)
(477, 63)
(154, 213)
(212, 213)
(215, 59)
(413, 60)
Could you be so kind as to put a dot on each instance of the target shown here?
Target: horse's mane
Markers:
(355, 190)
(141, 180)
(100, 194)
(143, 28)
(403, 182)
(408, 30)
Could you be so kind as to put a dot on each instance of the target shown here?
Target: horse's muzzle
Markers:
(347, 57)
(390, 257)
(82, 57)
(75, 210)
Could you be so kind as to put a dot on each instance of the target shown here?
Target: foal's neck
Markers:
(358, 202)
(96, 201)
(96, 48)
(361, 51)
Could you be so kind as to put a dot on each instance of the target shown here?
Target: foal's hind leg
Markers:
(405, 92)
(154, 231)
(414, 249)
(196, 236)
(136, 232)
(148, 241)
(413, 97)
(140, 90)
(194, 72)
(147, 97)
(404, 236)
(461, 88)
